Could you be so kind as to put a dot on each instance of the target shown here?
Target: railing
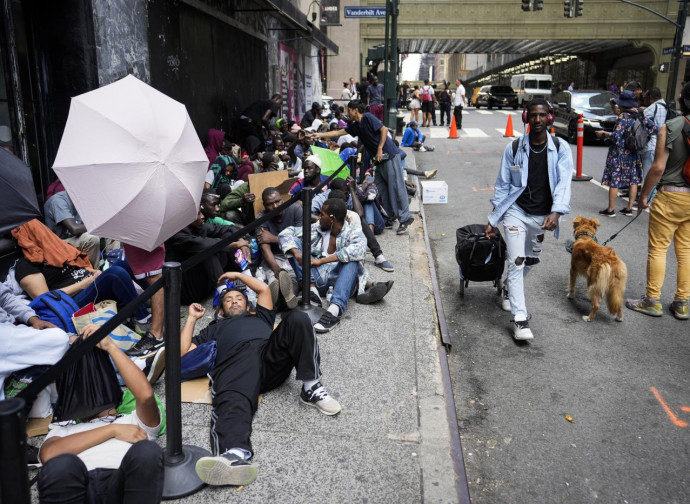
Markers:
(180, 476)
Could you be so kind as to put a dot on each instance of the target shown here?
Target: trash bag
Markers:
(87, 387)
(480, 259)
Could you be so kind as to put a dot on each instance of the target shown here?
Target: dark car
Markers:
(595, 107)
(496, 96)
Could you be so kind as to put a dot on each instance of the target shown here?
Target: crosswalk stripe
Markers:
(485, 112)
(473, 133)
(507, 112)
(515, 133)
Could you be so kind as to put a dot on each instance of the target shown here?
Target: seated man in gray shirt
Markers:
(63, 219)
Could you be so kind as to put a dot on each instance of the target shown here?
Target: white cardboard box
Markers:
(434, 191)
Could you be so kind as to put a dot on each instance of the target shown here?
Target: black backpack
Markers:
(670, 113)
(479, 258)
(639, 135)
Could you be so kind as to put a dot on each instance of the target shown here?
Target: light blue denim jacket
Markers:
(511, 183)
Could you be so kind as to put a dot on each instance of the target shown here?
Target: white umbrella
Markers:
(132, 163)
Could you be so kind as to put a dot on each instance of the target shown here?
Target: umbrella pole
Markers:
(14, 476)
(180, 461)
(305, 306)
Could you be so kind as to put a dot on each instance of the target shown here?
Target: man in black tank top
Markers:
(531, 192)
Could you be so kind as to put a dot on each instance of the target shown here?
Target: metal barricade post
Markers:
(180, 461)
(14, 476)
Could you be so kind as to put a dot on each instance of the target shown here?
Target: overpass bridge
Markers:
(609, 35)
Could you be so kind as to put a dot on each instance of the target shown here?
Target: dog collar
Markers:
(586, 233)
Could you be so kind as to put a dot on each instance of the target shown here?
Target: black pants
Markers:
(65, 480)
(457, 112)
(445, 111)
(372, 242)
(254, 367)
(200, 281)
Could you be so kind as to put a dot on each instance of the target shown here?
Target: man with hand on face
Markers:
(389, 178)
(337, 252)
(279, 274)
(531, 193)
(252, 358)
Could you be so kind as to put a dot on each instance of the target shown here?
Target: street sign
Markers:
(686, 48)
(365, 12)
(669, 50)
(330, 12)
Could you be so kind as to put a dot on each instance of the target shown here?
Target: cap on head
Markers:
(316, 160)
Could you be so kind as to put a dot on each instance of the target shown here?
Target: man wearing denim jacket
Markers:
(531, 193)
(337, 252)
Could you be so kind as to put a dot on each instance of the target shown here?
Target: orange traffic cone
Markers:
(453, 128)
(527, 131)
(509, 127)
(553, 130)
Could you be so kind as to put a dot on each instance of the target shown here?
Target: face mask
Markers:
(281, 165)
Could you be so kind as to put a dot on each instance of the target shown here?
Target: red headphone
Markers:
(549, 118)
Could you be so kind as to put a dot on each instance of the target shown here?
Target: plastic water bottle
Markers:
(329, 295)
(251, 295)
(260, 275)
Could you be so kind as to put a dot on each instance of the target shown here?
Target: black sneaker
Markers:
(146, 345)
(388, 224)
(402, 229)
(327, 322)
(607, 212)
(155, 365)
(373, 294)
(626, 212)
(315, 298)
(226, 469)
(32, 461)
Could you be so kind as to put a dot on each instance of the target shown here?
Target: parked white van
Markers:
(529, 86)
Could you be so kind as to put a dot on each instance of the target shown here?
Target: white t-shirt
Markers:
(459, 94)
(352, 218)
(346, 94)
(106, 455)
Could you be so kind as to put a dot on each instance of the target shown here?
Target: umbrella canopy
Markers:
(331, 162)
(132, 163)
(17, 193)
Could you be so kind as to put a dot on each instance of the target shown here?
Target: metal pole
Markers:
(391, 112)
(180, 461)
(672, 91)
(386, 46)
(14, 476)
(314, 312)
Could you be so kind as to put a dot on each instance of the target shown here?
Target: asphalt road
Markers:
(625, 385)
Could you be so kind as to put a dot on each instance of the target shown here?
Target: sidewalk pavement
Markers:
(391, 441)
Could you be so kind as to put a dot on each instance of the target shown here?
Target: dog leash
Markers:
(649, 202)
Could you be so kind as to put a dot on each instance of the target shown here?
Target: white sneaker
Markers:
(318, 398)
(521, 331)
(429, 174)
(505, 302)
(422, 149)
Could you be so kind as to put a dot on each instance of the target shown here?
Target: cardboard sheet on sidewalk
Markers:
(38, 426)
(199, 391)
(260, 181)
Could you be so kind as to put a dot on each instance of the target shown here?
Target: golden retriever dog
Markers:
(605, 272)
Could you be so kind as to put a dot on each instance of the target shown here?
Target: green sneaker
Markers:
(648, 306)
(679, 308)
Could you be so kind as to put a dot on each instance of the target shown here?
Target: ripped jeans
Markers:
(523, 235)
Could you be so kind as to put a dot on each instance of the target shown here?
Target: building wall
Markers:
(120, 33)
(347, 63)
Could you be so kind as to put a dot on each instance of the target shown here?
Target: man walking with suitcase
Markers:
(531, 193)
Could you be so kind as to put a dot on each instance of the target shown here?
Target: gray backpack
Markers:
(638, 137)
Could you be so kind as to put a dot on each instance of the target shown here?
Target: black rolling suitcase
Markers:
(479, 259)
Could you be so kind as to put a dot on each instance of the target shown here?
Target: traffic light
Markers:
(578, 7)
(568, 8)
(538, 5)
(526, 5)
